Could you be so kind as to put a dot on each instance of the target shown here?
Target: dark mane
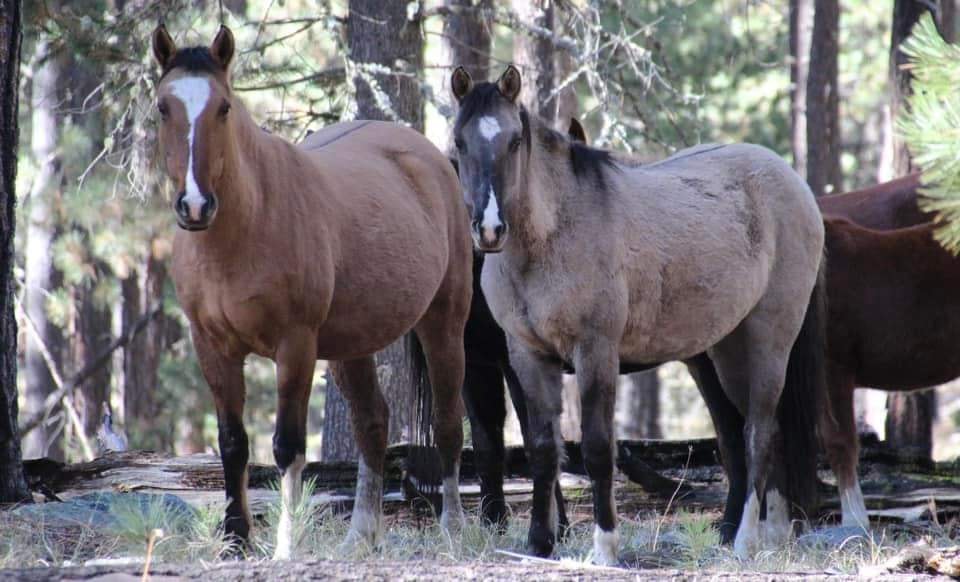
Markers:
(194, 59)
(585, 161)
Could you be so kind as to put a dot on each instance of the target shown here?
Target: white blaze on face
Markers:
(489, 127)
(491, 219)
(193, 92)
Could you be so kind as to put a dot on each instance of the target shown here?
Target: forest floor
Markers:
(675, 541)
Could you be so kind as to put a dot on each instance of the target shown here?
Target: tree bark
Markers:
(801, 29)
(910, 416)
(143, 420)
(94, 335)
(337, 443)
(387, 35)
(466, 36)
(948, 20)
(13, 486)
(823, 104)
(42, 277)
(534, 56)
(383, 34)
(638, 407)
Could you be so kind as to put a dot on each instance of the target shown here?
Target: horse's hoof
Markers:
(495, 514)
(540, 541)
(359, 541)
(451, 521)
(605, 546)
(234, 548)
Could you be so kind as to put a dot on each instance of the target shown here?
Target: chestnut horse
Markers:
(598, 265)
(884, 206)
(330, 249)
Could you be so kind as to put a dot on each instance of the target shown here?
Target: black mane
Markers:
(194, 59)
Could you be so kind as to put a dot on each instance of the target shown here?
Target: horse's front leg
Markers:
(296, 358)
(597, 365)
(486, 408)
(541, 382)
(225, 377)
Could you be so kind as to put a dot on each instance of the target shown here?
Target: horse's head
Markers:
(193, 100)
(491, 132)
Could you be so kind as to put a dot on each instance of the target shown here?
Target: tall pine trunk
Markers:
(466, 36)
(13, 486)
(534, 55)
(385, 35)
(638, 406)
(910, 416)
(43, 227)
(801, 31)
(142, 292)
(823, 103)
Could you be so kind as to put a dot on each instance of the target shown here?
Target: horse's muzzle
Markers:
(487, 239)
(192, 216)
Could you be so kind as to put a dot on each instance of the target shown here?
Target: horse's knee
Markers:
(597, 447)
(234, 445)
(287, 447)
(544, 455)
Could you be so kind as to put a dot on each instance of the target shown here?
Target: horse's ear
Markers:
(460, 83)
(509, 83)
(223, 47)
(163, 46)
(576, 131)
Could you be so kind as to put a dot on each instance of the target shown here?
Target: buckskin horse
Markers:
(286, 251)
(598, 265)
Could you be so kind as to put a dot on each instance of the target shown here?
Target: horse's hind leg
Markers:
(486, 407)
(225, 377)
(752, 374)
(296, 359)
(728, 423)
(440, 331)
(839, 430)
(369, 415)
(520, 406)
(597, 365)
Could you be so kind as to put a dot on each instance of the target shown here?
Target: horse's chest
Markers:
(235, 320)
(532, 309)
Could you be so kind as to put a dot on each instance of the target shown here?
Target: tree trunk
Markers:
(801, 29)
(534, 55)
(42, 277)
(823, 104)
(383, 34)
(638, 407)
(948, 20)
(337, 443)
(466, 36)
(146, 428)
(13, 486)
(94, 319)
(386, 35)
(910, 416)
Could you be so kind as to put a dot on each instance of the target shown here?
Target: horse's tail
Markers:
(803, 394)
(423, 460)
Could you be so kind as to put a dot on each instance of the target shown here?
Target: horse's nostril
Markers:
(500, 230)
(181, 206)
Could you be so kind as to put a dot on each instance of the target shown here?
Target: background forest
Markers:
(98, 318)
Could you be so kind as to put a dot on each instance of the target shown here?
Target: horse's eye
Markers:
(224, 109)
(163, 109)
(515, 144)
(460, 145)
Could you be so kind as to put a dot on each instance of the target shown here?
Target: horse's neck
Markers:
(539, 200)
(241, 187)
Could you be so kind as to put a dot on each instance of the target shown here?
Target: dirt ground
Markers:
(429, 571)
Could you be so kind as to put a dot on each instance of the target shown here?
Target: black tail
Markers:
(423, 460)
(803, 394)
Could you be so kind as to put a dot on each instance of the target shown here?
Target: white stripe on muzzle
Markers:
(193, 92)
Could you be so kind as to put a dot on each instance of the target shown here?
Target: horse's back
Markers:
(890, 205)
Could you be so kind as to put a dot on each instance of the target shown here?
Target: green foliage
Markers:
(931, 128)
